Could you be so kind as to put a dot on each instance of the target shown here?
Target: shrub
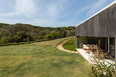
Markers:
(24, 40)
(47, 36)
(40, 37)
(53, 35)
(4, 39)
(100, 69)
(16, 43)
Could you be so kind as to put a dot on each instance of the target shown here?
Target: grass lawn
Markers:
(41, 59)
(70, 47)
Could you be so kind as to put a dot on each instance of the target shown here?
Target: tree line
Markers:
(19, 32)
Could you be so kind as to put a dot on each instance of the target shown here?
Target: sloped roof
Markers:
(97, 13)
(101, 24)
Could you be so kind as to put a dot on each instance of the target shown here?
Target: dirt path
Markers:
(60, 47)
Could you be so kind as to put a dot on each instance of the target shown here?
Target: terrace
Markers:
(90, 51)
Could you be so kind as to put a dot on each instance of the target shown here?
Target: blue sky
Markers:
(49, 13)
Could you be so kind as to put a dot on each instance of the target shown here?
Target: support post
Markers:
(108, 45)
(115, 52)
(76, 42)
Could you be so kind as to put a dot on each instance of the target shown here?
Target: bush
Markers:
(24, 40)
(16, 43)
(6, 44)
(53, 35)
(47, 36)
(19, 37)
(100, 69)
(4, 39)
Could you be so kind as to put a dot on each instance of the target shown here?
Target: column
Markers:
(76, 42)
(108, 45)
(115, 52)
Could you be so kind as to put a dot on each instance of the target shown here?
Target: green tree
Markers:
(4, 39)
(53, 35)
(19, 37)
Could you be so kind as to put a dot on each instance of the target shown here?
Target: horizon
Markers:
(50, 13)
(39, 25)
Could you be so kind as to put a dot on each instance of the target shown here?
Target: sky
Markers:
(49, 13)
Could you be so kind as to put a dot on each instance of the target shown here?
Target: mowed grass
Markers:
(70, 47)
(41, 59)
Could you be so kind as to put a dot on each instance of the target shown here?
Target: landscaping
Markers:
(41, 59)
(70, 45)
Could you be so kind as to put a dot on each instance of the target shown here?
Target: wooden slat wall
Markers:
(101, 25)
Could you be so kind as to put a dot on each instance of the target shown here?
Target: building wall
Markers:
(101, 25)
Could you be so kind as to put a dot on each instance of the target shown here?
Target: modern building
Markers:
(102, 24)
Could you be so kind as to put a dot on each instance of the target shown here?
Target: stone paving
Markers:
(89, 57)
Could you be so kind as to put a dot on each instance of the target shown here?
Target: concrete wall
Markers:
(101, 25)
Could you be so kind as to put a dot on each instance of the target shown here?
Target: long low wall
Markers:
(101, 25)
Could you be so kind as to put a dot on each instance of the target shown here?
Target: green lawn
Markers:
(70, 47)
(41, 59)
(70, 44)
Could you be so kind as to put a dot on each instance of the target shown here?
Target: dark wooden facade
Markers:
(102, 24)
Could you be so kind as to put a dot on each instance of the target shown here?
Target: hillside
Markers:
(10, 33)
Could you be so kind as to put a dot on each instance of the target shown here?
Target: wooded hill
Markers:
(19, 32)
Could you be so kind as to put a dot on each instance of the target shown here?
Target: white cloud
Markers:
(78, 12)
(54, 9)
(50, 12)
(96, 7)
(45, 13)
(26, 7)
(10, 14)
(52, 23)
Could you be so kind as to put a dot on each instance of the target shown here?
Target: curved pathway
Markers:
(60, 47)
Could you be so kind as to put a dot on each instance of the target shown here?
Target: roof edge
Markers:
(97, 12)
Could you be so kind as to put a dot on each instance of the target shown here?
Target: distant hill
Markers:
(25, 32)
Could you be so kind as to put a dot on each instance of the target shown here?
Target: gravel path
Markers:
(60, 47)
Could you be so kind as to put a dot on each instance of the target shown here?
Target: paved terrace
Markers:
(89, 57)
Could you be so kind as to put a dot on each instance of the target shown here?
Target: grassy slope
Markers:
(41, 59)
